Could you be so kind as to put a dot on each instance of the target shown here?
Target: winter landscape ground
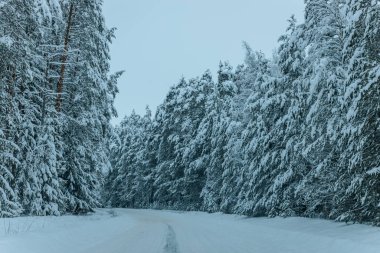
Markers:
(150, 231)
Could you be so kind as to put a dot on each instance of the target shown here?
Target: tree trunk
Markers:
(64, 59)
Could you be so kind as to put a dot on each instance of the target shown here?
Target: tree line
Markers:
(294, 135)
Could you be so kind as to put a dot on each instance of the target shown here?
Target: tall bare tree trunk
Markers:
(64, 59)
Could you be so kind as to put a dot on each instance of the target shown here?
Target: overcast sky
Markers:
(158, 41)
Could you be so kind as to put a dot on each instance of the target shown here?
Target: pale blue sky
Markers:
(158, 41)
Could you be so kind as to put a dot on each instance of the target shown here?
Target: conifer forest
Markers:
(296, 133)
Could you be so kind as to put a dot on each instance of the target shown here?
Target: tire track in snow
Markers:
(171, 245)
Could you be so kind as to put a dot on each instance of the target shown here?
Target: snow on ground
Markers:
(148, 231)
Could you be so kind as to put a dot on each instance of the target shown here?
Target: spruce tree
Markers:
(359, 160)
(85, 95)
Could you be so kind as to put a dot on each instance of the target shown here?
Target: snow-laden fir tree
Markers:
(322, 81)
(197, 151)
(24, 73)
(359, 157)
(177, 126)
(128, 175)
(224, 91)
(84, 100)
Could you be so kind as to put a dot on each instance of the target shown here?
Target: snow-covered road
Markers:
(148, 231)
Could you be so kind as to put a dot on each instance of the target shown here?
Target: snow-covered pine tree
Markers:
(9, 206)
(24, 73)
(322, 81)
(109, 196)
(144, 177)
(47, 155)
(170, 167)
(287, 161)
(222, 99)
(237, 171)
(129, 177)
(260, 115)
(232, 177)
(357, 198)
(196, 139)
(8, 200)
(85, 94)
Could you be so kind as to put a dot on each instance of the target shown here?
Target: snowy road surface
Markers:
(148, 231)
